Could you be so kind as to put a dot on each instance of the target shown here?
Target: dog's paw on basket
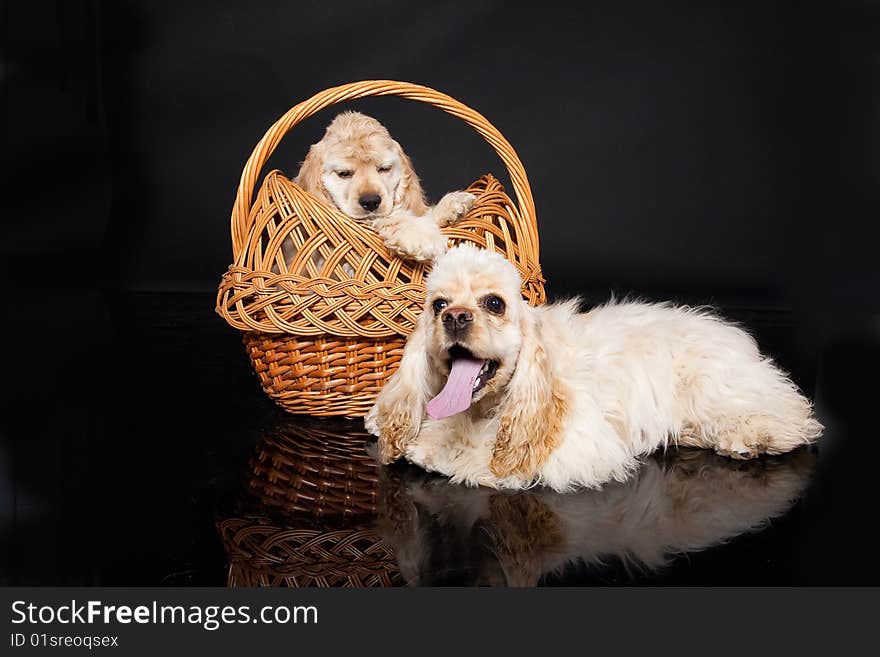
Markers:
(452, 207)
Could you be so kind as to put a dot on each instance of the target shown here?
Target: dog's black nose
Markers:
(457, 319)
(370, 202)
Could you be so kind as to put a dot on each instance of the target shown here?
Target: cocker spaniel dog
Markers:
(361, 170)
(491, 391)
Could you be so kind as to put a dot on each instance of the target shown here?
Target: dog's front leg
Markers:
(396, 417)
(395, 425)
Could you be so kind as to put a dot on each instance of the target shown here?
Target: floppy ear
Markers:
(531, 412)
(309, 176)
(409, 194)
(396, 417)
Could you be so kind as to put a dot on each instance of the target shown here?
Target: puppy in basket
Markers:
(494, 392)
(366, 174)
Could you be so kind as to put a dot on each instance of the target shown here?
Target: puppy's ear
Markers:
(409, 194)
(309, 176)
(396, 417)
(531, 411)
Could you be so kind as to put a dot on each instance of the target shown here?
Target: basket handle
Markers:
(364, 89)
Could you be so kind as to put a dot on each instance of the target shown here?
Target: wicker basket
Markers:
(306, 512)
(322, 341)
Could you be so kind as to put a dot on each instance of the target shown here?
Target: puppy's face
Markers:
(362, 175)
(476, 309)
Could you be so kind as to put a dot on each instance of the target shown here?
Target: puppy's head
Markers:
(474, 330)
(359, 168)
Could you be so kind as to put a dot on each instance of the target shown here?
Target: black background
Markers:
(681, 148)
(701, 152)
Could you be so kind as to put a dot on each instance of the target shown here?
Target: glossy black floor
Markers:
(137, 449)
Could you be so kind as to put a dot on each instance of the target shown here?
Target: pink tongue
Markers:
(456, 394)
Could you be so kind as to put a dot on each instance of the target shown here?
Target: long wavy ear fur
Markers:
(309, 176)
(396, 417)
(409, 195)
(531, 412)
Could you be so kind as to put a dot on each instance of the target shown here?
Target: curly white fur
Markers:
(579, 397)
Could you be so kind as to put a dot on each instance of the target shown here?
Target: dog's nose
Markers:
(370, 202)
(457, 319)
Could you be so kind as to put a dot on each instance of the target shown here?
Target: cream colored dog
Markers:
(361, 170)
(493, 392)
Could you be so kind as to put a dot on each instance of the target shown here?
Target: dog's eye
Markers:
(439, 305)
(385, 169)
(345, 173)
(493, 304)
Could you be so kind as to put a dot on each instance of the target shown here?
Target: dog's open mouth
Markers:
(467, 376)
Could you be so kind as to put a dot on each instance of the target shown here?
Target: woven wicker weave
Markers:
(267, 555)
(312, 469)
(322, 341)
(306, 511)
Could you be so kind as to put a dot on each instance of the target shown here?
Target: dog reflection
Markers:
(685, 501)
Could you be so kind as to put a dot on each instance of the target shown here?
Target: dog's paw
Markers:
(396, 434)
(453, 207)
(419, 241)
(738, 447)
(394, 425)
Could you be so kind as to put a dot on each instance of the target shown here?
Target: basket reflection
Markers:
(306, 510)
